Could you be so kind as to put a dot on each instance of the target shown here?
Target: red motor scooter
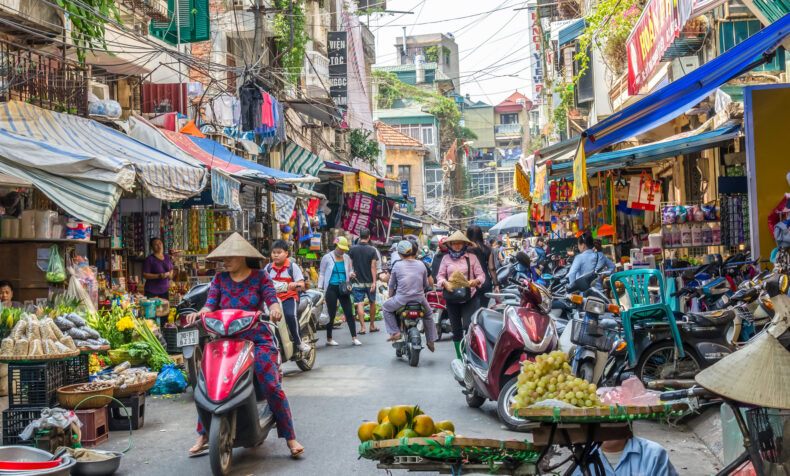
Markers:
(226, 395)
(439, 309)
(498, 341)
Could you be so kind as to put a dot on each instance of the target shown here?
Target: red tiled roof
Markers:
(512, 101)
(392, 137)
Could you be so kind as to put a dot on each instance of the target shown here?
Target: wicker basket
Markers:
(69, 397)
(130, 390)
(119, 356)
(38, 358)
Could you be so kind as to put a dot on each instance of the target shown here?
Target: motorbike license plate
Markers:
(190, 337)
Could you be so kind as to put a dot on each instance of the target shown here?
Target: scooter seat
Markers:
(302, 307)
(492, 323)
(712, 318)
(314, 296)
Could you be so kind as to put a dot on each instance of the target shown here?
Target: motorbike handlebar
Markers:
(686, 393)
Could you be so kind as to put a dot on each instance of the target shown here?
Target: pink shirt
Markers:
(451, 265)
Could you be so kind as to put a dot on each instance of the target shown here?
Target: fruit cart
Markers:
(453, 455)
(581, 430)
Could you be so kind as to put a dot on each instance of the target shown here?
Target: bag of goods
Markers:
(68, 342)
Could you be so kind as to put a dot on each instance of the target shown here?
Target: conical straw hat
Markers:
(757, 374)
(458, 236)
(234, 245)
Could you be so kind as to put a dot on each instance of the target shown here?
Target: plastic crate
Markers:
(95, 430)
(590, 334)
(117, 415)
(75, 369)
(34, 385)
(15, 420)
(171, 339)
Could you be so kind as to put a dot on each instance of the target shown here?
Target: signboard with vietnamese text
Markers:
(337, 52)
(535, 56)
(658, 26)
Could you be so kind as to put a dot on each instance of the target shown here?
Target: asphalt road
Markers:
(347, 387)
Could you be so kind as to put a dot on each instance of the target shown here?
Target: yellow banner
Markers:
(540, 184)
(579, 172)
(350, 183)
(367, 184)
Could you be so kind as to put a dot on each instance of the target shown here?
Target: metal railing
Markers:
(501, 129)
(44, 80)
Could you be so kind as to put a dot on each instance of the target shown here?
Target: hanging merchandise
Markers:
(367, 184)
(350, 183)
(225, 110)
(644, 193)
(56, 272)
(362, 211)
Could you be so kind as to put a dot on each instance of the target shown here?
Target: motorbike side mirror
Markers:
(523, 259)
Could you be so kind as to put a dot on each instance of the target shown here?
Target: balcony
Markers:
(154, 9)
(508, 130)
(42, 79)
(316, 75)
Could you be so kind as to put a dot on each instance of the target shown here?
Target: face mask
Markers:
(457, 254)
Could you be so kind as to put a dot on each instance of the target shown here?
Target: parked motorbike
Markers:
(192, 341)
(497, 342)
(410, 343)
(226, 396)
(308, 326)
(440, 316)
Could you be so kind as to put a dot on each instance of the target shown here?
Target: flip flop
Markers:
(202, 451)
(375, 330)
(296, 453)
(362, 332)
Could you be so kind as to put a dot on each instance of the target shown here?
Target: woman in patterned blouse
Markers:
(240, 287)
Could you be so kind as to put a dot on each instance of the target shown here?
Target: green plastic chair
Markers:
(636, 283)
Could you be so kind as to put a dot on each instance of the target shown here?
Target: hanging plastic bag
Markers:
(56, 270)
(170, 380)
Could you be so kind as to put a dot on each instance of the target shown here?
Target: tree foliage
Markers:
(362, 146)
(445, 110)
(293, 60)
(87, 23)
(608, 25)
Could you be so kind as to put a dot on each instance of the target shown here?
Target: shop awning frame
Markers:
(642, 154)
(677, 97)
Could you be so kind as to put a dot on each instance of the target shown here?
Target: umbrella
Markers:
(512, 224)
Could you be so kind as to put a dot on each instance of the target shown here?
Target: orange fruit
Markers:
(400, 414)
(407, 433)
(383, 413)
(384, 431)
(365, 432)
(445, 425)
(423, 425)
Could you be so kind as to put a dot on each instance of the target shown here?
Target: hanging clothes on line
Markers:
(225, 110)
(251, 98)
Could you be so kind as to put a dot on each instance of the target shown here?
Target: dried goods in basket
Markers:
(72, 395)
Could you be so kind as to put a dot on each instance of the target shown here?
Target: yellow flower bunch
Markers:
(124, 323)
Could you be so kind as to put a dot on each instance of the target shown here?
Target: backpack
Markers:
(782, 235)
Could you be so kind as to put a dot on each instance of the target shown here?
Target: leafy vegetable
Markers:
(159, 357)
(139, 350)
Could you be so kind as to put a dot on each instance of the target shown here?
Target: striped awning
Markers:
(163, 176)
(298, 160)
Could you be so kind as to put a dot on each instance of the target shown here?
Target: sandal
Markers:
(374, 329)
(202, 451)
(362, 332)
(394, 337)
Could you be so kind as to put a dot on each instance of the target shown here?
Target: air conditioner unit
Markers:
(238, 4)
(100, 90)
(683, 66)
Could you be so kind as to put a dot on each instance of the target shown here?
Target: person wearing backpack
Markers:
(283, 270)
(461, 302)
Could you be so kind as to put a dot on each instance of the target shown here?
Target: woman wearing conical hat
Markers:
(240, 287)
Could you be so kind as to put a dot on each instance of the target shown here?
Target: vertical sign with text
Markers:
(337, 49)
(536, 56)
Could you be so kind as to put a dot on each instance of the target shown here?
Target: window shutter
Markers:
(193, 21)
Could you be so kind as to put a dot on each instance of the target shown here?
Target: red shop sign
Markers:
(656, 29)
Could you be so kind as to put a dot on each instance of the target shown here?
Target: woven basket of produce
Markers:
(72, 395)
(130, 390)
(119, 356)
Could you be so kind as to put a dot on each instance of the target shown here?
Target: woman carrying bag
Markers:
(461, 302)
(334, 278)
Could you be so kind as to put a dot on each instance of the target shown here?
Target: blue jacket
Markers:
(640, 458)
(585, 263)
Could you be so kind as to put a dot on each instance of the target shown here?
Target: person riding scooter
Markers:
(240, 287)
(283, 270)
(408, 280)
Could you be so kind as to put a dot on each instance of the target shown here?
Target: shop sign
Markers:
(365, 212)
(337, 52)
(656, 29)
(536, 56)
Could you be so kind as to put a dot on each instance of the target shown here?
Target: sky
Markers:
(493, 45)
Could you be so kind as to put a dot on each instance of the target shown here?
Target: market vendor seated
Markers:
(632, 457)
(7, 295)
(240, 287)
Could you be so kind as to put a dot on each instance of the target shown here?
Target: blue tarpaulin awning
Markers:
(571, 31)
(649, 152)
(677, 97)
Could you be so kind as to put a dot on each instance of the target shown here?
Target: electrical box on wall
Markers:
(683, 66)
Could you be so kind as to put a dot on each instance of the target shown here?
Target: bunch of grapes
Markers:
(550, 377)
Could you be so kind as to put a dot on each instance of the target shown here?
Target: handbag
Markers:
(460, 295)
(344, 287)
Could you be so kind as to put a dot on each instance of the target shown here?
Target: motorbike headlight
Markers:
(214, 325)
(545, 302)
(239, 324)
(595, 306)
